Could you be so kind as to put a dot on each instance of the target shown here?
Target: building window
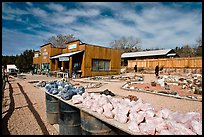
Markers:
(100, 65)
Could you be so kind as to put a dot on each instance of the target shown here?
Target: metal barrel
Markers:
(69, 119)
(119, 131)
(52, 109)
(93, 126)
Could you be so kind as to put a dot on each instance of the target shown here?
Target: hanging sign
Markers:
(63, 58)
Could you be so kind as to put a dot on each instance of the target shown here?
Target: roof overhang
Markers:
(145, 53)
(171, 54)
(66, 54)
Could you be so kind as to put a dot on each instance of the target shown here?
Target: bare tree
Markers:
(127, 44)
(199, 41)
(60, 40)
(198, 48)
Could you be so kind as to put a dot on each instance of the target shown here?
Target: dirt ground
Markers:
(24, 109)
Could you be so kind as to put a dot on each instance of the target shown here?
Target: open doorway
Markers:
(77, 64)
(66, 66)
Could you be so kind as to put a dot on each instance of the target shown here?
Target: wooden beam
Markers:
(70, 67)
(56, 64)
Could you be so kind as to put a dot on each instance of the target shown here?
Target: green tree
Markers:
(24, 61)
(6, 60)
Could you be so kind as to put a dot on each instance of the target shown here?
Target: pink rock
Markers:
(133, 126)
(76, 99)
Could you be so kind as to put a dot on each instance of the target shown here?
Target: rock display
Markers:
(189, 87)
(63, 89)
(142, 117)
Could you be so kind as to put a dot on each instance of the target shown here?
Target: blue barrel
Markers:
(69, 119)
(93, 126)
(52, 109)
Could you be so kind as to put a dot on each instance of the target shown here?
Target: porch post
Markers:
(70, 67)
(56, 64)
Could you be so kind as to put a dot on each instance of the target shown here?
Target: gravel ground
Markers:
(157, 101)
(24, 109)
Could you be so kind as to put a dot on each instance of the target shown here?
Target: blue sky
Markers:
(27, 25)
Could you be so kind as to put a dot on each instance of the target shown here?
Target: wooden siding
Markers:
(45, 57)
(78, 47)
(97, 52)
(36, 60)
(45, 54)
(193, 62)
(55, 51)
(90, 52)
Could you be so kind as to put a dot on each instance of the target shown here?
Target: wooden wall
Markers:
(56, 51)
(192, 62)
(91, 52)
(36, 60)
(78, 47)
(97, 52)
(45, 53)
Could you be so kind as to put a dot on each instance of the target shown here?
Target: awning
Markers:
(66, 54)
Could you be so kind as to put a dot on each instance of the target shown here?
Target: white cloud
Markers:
(62, 20)
(56, 7)
(8, 17)
(93, 35)
(14, 42)
(156, 25)
(164, 24)
(39, 12)
(83, 12)
(7, 9)
(98, 4)
(115, 6)
(29, 3)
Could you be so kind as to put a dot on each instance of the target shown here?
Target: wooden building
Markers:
(154, 54)
(89, 60)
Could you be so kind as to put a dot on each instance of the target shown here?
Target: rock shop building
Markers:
(88, 60)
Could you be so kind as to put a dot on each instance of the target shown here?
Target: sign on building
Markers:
(73, 46)
(63, 58)
(45, 53)
(36, 55)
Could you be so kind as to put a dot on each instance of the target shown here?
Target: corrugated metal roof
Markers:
(145, 53)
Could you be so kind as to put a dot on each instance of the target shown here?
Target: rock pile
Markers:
(63, 89)
(141, 117)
